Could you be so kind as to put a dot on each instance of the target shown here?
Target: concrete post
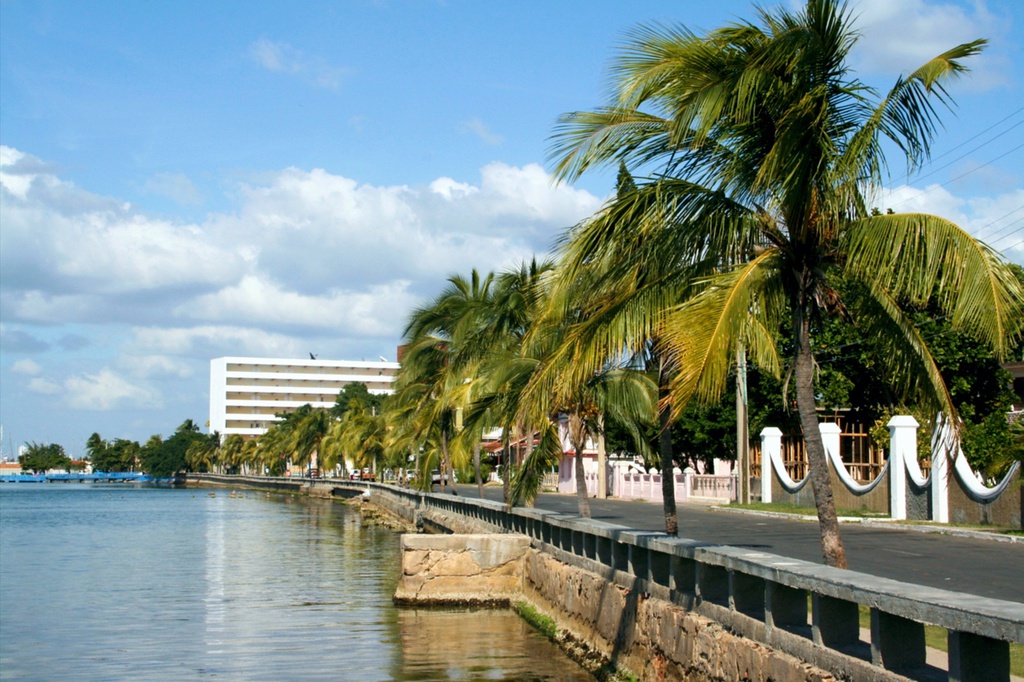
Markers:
(771, 446)
(902, 446)
(830, 434)
(940, 482)
(688, 474)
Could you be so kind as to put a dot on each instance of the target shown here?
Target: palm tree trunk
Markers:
(476, 469)
(668, 479)
(831, 543)
(443, 464)
(576, 436)
(506, 474)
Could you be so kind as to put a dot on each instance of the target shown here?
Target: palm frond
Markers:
(702, 334)
(918, 257)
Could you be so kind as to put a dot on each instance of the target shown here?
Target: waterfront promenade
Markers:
(985, 567)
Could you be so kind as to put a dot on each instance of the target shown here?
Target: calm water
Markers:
(101, 582)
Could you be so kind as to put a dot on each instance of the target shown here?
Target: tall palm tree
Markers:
(623, 283)
(556, 391)
(309, 425)
(764, 146)
(446, 340)
(231, 451)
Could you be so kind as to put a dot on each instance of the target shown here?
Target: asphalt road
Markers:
(962, 564)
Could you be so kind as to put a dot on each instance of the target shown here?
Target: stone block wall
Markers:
(461, 569)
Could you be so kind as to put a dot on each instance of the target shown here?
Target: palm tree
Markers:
(231, 452)
(765, 144)
(202, 453)
(556, 391)
(446, 340)
(623, 284)
(308, 426)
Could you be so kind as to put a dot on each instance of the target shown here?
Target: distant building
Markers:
(246, 393)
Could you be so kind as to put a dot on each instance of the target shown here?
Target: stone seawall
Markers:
(461, 569)
(608, 624)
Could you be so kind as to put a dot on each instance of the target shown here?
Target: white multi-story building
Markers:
(246, 393)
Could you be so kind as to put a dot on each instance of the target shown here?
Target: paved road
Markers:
(976, 566)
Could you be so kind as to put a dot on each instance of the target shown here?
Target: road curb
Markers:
(879, 523)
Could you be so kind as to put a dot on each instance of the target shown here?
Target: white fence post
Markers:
(830, 433)
(940, 473)
(902, 447)
(771, 446)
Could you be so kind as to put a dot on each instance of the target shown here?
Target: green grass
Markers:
(869, 514)
(805, 511)
(937, 638)
(544, 624)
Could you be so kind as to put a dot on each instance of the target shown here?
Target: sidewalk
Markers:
(941, 529)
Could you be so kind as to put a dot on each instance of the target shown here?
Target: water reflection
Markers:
(476, 645)
(118, 582)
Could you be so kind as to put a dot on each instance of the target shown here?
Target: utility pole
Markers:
(742, 437)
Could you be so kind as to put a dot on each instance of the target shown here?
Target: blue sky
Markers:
(181, 181)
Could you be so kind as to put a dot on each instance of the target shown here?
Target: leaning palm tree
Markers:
(622, 283)
(309, 426)
(446, 340)
(765, 146)
(231, 452)
(555, 391)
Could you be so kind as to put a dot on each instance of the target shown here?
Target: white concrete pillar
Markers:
(902, 447)
(940, 476)
(830, 433)
(771, 446)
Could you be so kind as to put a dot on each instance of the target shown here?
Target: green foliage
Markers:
(358, 393)
(117, 455)
(991, 445)
(466, 473)
(40, 457)
(542, 623)
(164, 458)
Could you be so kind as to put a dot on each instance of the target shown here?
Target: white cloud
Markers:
(281, 57)
(898, 37)
(378, 311)
(319, 231)
(44, 386)
(156, 367)
(106, 390)
(210, 341)
(26, 367)
(304, 253)
(451, 190)
(175, 186)
(995, 220)
(475, 126)
(66, 244)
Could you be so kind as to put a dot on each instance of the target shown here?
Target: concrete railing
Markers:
(804, 609)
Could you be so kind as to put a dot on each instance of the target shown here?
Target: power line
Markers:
(994, 236)
(967, 153)
(978, 134)
(1007, 215)
(1011, 234)
(962, 175)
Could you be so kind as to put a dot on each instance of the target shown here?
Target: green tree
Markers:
(356, 391)
(202, 453)
(42, 457)
(163, 458)
(310, 425)
(764, 143)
